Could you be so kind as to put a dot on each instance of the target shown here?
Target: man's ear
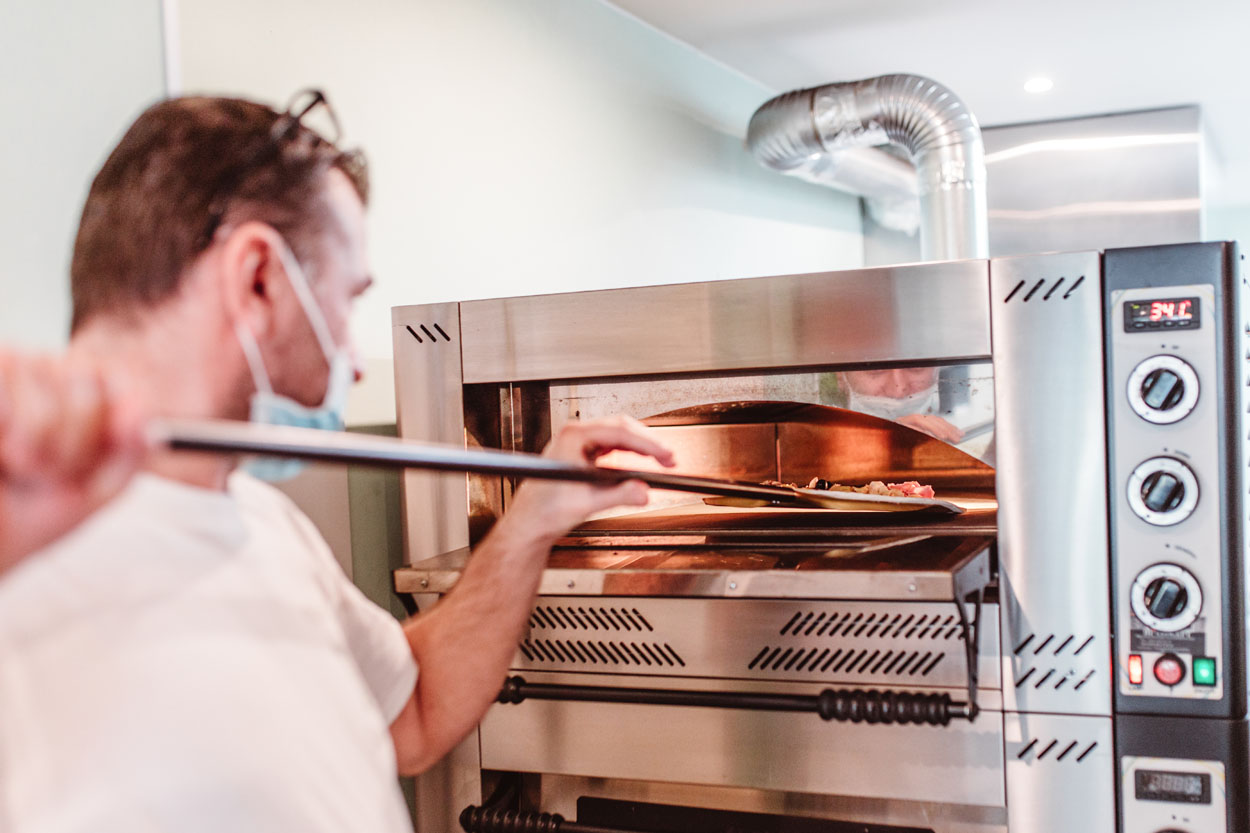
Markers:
(249, 275)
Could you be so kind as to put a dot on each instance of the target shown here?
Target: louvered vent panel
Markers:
(852, 643)
(1059, 289)
(1055, 661)
(1058, 750)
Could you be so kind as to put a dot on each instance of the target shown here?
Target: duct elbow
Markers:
(831, 135)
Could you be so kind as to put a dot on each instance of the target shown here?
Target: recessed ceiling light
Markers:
(1040, 84)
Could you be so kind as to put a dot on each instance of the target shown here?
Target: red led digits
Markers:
(1160, 310)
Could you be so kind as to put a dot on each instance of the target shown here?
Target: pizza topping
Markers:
(909, 488)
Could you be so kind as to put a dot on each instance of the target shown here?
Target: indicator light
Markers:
(1169, 669)
(1204, 671)
(1134, 669)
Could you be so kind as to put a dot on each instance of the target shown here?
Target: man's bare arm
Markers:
(68, 443)
(464, 644)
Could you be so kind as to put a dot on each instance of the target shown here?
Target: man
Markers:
(906, 395)
(191, 658)
(69, 442)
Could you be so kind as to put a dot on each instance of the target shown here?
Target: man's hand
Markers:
(68, 443)
(934, 426)
(549, 509)
(464, 643)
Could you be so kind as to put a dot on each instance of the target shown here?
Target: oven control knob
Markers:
(1163, 389)
(1163, 491)
(1166, 597)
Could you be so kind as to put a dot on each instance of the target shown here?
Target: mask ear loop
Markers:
(251, 352)
(295, 276)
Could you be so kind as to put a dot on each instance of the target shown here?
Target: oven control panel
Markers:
(1165, 477)
(1166, 795)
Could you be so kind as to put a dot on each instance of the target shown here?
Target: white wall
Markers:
(524, 146)
(1229, 222)
(73, 73)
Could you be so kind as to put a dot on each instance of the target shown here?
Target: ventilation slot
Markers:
(426, 334)
(605, 653)
(935, 627)
(1041, 284)
(1033, 291)
(865, 661)
(555, 617)
(1044, 641)
(1038, 648)
(1056, 750)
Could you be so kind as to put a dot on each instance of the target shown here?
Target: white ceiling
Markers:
(1103, 55)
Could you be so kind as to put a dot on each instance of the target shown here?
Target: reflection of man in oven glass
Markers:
(906, 395)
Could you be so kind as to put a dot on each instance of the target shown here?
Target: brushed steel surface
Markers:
(430, 407)
(961, 763)
(1127, 179)
(830, 318)
(846, 643)
(961, 566)
(559, 794)
(448, 787)
(1054, 563)
(1060, 773)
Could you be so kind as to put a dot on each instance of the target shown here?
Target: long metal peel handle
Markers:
(233, 437)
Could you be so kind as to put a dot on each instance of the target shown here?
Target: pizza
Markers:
(908, 488)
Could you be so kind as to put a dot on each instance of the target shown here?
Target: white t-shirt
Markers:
(196, 661)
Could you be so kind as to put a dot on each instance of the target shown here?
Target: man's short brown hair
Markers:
(151, 204)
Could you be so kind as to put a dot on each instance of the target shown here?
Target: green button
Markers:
(1204, 671)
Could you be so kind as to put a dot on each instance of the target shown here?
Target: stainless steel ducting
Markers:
(830, 135)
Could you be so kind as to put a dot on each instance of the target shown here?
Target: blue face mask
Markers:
(275, 409)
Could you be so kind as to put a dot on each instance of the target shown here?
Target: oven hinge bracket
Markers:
(972, 641)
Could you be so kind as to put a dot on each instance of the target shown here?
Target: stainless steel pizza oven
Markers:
(712, 667)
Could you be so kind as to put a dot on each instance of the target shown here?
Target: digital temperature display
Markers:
(1161, 314)
(1182, 787)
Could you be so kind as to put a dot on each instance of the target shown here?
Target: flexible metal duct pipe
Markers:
(829, 135)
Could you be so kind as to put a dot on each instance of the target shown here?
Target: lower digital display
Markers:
(1161, 314)
(1180, 787)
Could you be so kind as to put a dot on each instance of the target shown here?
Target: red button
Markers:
(1169, 670)
(1134, 669)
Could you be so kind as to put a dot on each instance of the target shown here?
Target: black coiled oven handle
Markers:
(486, 820)
(848, 706)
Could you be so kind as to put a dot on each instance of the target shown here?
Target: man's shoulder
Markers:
(263, 504)
(255, 494)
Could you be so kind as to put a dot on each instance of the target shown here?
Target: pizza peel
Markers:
(234, 437)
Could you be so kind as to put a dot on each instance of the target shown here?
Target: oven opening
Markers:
(792, 442)
(507, 809)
